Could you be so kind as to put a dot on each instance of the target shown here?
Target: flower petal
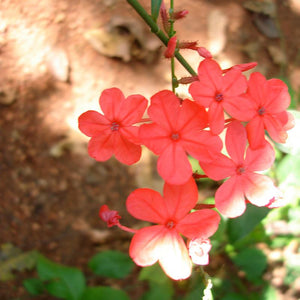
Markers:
(101, 148)
(199, 224)
(236, 141)
(145, 246)
(132, 109)
(174, 258)
(164, 109)
(229, 198)
(92, 123)
(260, 159)
(173, 165)
(278, 99)
(110, 101)
(234, 84)
(259, 189)
(156, 138)
(125, 151)
(220, 168)
(180, 199)
(148, 205)
(256, 133)
(216, 117)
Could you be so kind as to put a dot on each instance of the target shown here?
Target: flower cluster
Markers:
(221, 102)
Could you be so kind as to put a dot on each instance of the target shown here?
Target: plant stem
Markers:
(172, 33)
(159, 33)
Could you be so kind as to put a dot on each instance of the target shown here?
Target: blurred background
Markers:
(56, 56)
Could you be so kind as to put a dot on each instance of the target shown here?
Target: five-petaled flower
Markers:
(265, 107)
(244, 183)
(177, 129)
(163, 242)
(218, 92)
(113, 132)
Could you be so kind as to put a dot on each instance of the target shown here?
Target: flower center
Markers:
(114, 126)
(219, 97)
(170, 224)
(175, 136)
(240, 169)
(261, 111)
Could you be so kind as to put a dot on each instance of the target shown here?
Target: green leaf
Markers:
(103, 293)
(239, 227)
(34, 286)
(113, 264)
(64, 282)
(160, 285)
(292, 145)
(153, 273)
(13, 259)
(155, 7)
(253, 262)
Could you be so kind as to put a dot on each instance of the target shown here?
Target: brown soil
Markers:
(50, 189)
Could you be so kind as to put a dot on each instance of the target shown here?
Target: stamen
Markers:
(219, 97)
(114, 126)
(240, 170)
(261, 111)
(175, 136)
(170, 224)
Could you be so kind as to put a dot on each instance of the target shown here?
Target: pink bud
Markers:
(111, 217)
(179, 14)
(242, 67)
(170, 51)
(204, 52)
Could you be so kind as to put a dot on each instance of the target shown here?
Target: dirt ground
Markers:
(50, 73)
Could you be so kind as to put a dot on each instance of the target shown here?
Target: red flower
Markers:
(177, 129)
(244, 183)
(163, 242)
(265, 109)
(217, 92)
(113, 132)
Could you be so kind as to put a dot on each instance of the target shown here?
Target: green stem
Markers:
(159, 33)
(171, 33)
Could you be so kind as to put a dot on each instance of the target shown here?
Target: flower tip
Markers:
(111, 217)
(204, 52)
(170, 51)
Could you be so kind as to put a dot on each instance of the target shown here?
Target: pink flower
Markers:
(163, 242)
(177, 129)
(113, 132)
(265, 109)
(218, 92)
(198, 250)
(243, 183)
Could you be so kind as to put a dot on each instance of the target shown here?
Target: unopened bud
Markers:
(242, 67)
(187, 45)
(177, 15)
(111, 217)
(170, 51)
(164, 17)
(188, 79)
(204, 52)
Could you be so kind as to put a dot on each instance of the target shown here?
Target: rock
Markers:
(266, 25)
(124, 38)
(217, 23)
(278, 56)
(8, 93)
(266, 7)
(58, 64)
